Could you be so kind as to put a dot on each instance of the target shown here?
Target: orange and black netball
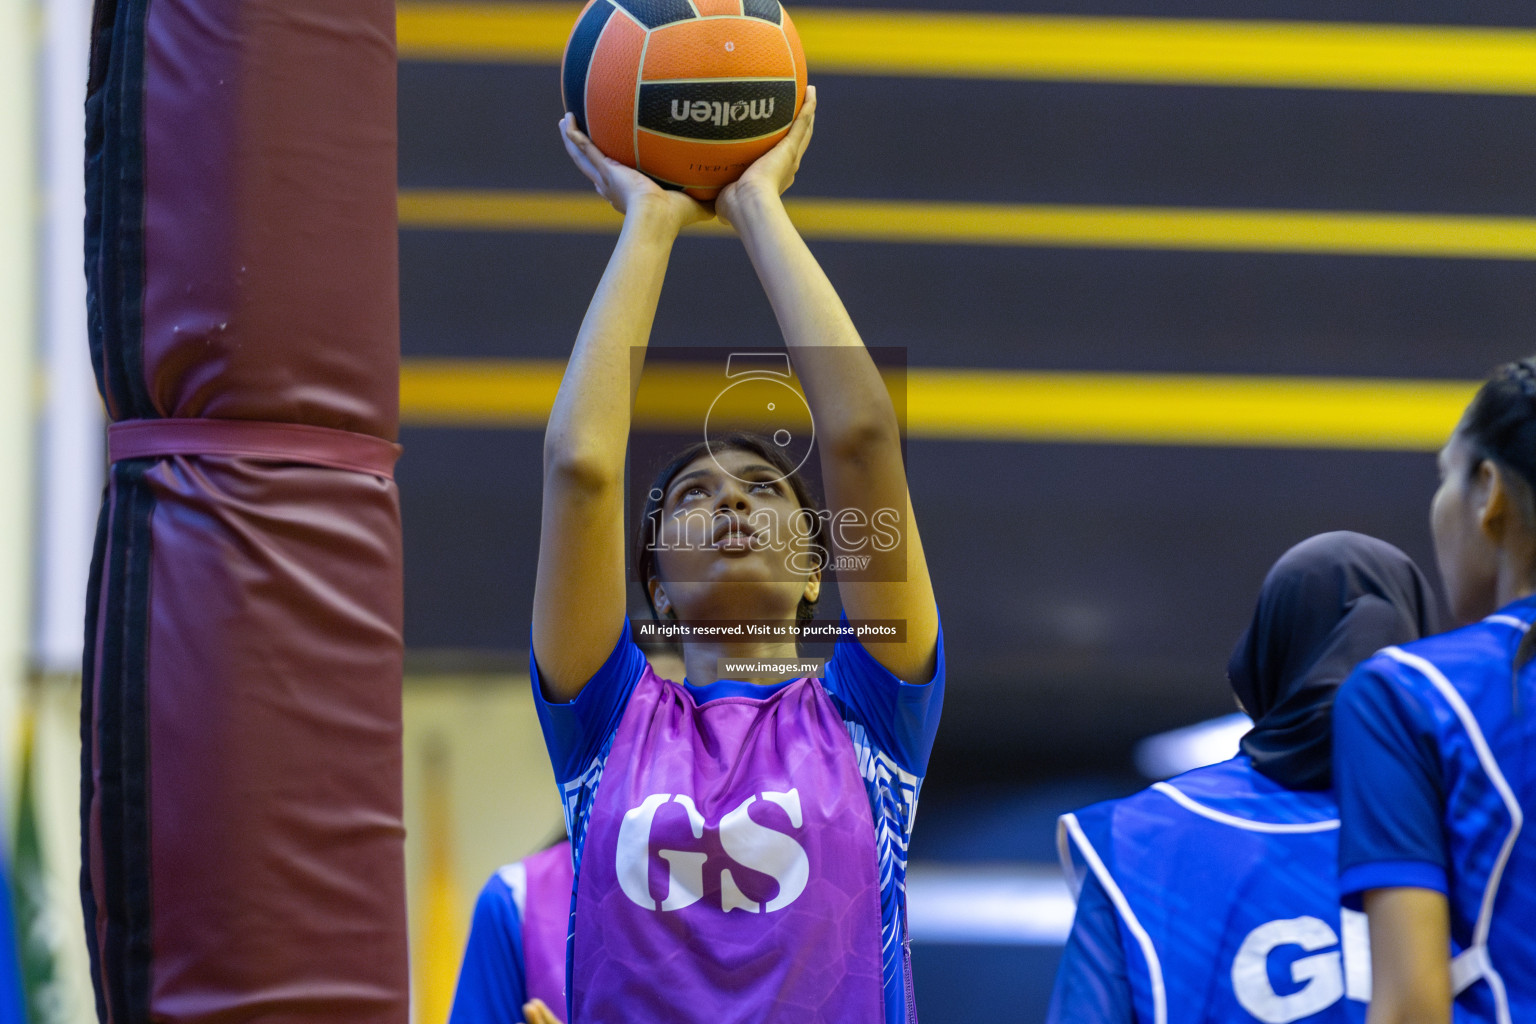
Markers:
(688, 91)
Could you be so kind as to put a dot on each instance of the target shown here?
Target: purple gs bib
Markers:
(546, 917)
(729, 870)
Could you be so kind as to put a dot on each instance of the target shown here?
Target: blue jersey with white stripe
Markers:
(1436, 766)
(891, 724)
(1225, 894)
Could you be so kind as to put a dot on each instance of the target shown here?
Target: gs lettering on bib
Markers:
(729, 871)
(1317, 980)
(747, 843)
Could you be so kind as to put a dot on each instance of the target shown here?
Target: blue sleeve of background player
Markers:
(12, 999)
(576, 731)
(902, 718)
(1092, 986)
(492, 987)
(1388, 775)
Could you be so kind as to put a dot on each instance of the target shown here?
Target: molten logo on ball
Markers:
(722, 114)
(716, 112)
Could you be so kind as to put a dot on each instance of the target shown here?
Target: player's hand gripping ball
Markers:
(689, 92)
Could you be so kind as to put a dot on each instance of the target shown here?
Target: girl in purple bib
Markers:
(740, 847)
(516, 948)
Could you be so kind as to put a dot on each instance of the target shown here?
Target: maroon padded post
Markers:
(241, 782)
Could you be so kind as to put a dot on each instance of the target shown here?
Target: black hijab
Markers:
(1329, 603)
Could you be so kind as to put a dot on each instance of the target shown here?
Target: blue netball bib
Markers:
(1458, 694)
(1225, 885)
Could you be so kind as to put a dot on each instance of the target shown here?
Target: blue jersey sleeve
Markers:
(1388, 774)
(492, 987)
(576, 731)
(12, 998)
(902, 718)
(1092, 986)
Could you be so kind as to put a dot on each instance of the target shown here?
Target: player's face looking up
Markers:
(732, 539)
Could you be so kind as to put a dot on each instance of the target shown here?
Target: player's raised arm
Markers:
(856, 426)
(578, 597)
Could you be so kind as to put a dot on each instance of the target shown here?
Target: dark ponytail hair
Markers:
(1500, 425)
(649, 526)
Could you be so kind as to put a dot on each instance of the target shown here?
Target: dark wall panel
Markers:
(509, 295)
(494, 126)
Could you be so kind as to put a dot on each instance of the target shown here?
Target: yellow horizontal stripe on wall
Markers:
(1107, 227)
(1295, 412)
(524, 33)
(1307, 55)
(1290, 412)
